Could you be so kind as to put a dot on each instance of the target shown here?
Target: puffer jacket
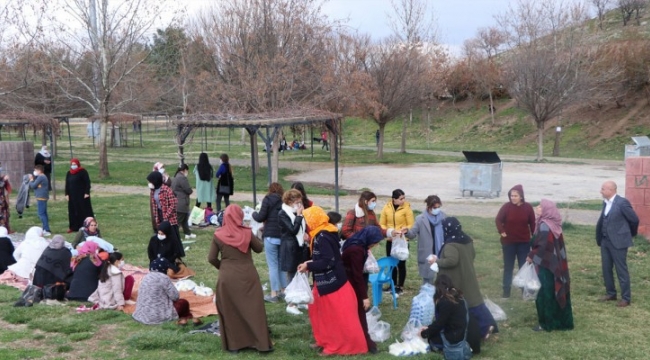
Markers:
(268, 214)
(110, 294)
(396, 219)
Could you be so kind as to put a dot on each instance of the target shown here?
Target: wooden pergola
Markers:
(271, 122)
(50, 125)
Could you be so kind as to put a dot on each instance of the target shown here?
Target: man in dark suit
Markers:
(616, 226)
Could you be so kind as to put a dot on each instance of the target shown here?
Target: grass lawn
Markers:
(602, 330)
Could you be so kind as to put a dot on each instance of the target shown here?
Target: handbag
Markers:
(32, 294)
(460, 350)
(54, 291)
(197, 215)
(223, 189)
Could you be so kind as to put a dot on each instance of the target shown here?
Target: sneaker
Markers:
(489, 332)
(192, 236)
(293, 310)
(47, 233)
(303, 306)
(271, 299)
(398, 290)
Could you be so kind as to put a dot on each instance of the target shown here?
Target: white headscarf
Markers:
(3, 232)
(44, 151)
(34, 235)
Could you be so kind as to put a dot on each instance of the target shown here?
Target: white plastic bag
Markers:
(372, 316)
(371, 266)
(527, 279)
(380, 331)
(497, 312)
(411, 330)
(399, 249)
(423, 308)
(298, 291)
(202, 290)
(185, 285)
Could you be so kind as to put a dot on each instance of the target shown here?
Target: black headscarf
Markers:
(365, 238)
(171, 248)
(204, 168)
(156, 179)
(160, 265)
(56, 261)
(454, 232)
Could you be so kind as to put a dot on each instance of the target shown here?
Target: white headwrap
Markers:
(44, 151)
(3, 232)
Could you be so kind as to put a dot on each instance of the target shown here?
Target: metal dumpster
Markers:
(641, 147)
(481, 173)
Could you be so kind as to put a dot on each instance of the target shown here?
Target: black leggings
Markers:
(401, 267)
(198, 205)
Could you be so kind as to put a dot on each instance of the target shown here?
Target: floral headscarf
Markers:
(88, 249)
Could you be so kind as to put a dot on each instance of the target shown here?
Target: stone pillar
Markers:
(17, 158)
(637, 190)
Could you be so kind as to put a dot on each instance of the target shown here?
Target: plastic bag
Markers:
(372, 316)
(380, 331)
(197, 215)
(298, 291)
(371, 266)
(202, 290)
(527, 279)
(497, 312)
(411, 330)
(185, 285)
(400, 249)
(423, 308)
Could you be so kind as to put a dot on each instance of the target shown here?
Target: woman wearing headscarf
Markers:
(397, 214)
(6, 250)
(85, 272)
(225, 181)
(239, 295)
(361, 216)
(54, 264)
(158, 300)
(333, 315)
(28, 252)
(160, 167)
(5, 190)
(456, 260)
(203, 172)
(269, 215)
(162, 202)
(354, 255)
(166, 244)
(431, 237)
(515, 223)
(294, 245)
(549, 255)
(44, 158)
(77, 193)
(182, 191)
(90, 232)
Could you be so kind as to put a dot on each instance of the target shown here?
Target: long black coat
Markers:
(79, 208)
(291, 253)
(85, 280)
(6, 253)
(268, 214)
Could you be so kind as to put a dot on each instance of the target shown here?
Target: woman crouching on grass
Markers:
(113, 289)
(333, 315)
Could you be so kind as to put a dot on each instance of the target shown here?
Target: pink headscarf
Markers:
(232, 232)
(551, 217)
(88, 249)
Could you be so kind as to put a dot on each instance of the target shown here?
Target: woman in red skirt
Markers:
(333, 314)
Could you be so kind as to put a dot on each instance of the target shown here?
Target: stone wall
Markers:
(637, 190)
(17, 159)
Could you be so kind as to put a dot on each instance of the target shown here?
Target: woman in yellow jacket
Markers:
(397, 214)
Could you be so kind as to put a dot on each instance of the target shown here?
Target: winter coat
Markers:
(22, 200)
(182, 190)
(110, 294)
(156, 296)
(26, 255)
(397, 219)
(268, 214)
(291, 253)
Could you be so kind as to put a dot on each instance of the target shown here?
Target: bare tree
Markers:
(630, 7)
(103, 45)
(601, 9)
(546, 65)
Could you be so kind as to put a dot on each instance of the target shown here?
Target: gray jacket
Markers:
(422, 229)
(182, 190)
(40, 187)
(622, 224)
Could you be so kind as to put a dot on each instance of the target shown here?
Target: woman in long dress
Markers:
(239, 295)
(5, 190)
(549, 255)
(203, 173)
(77, 193)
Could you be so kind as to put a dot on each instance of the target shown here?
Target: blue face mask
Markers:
(435, 211)
(372, 205)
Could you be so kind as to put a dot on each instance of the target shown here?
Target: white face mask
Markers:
(161, 170)
(371, 206)
(35, 173)
(151, 186)
(295, 207)
(73, 167)
(435, 211)
(162, 237)
(120, 265)
(220, 161)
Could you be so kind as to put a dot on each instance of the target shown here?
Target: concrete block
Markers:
(634, 166)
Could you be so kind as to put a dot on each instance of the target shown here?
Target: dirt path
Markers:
(609, 131)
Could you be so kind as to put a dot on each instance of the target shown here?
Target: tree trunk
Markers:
(380, 146)
(491, 105)
(540, 141)
(103, 152)
(556, 145)
(403, 145)
(255, 153)
(275, 158)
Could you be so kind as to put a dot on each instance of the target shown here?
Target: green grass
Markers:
(602, 331)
